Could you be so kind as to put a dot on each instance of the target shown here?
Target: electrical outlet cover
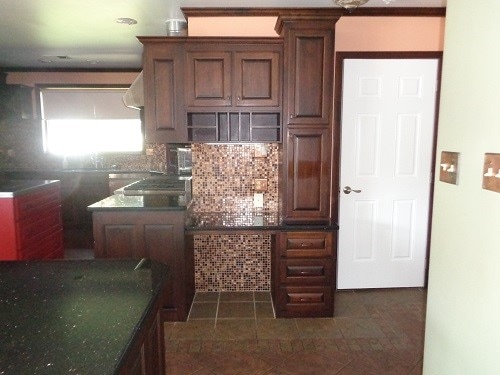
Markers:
(258, 200)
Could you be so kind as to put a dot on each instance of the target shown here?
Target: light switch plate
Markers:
(491, 172)
(448, 167)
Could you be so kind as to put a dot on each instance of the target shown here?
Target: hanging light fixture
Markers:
(350, 4)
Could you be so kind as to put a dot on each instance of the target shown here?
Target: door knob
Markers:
(347, 190)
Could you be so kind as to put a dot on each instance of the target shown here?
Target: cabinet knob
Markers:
(292, 116)
(238, 98)
(228, 98)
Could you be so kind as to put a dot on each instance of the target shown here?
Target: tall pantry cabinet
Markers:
(307, 115)
(306, 260)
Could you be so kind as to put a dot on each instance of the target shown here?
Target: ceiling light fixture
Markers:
(126, 21)
(350, 4)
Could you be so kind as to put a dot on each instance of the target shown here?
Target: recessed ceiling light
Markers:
(126, 21)
(45, 61)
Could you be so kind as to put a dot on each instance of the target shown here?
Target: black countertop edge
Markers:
(268, 228)
(199, 222)
(16, 188)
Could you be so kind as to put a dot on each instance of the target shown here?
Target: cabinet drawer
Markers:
(31, 204)
(28, 232)
(306, 271)
(48, 247)
(305, 301)
(306, 244)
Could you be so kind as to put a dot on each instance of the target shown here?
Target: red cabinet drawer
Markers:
(32, 204)
(306, 271)
(32, 230)
(306, 244)
(50, 246)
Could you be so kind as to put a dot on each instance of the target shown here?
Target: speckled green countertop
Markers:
(73, 317)
(154, 202)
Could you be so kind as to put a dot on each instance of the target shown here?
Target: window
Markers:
(82, 121)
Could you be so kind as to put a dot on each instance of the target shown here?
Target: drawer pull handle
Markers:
(306, 244)
(304, 299)
(305, 273)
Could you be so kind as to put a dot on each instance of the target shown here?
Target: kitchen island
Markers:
(30, 219)
(148, 226)
(82, 317)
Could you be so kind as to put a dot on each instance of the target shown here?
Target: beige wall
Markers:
(351, 33)
(389, 34)
(463, 311)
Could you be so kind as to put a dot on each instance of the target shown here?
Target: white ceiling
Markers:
(86, 30)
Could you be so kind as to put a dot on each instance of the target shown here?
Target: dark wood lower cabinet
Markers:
(304, 274)
(147, 355)
(157, 235)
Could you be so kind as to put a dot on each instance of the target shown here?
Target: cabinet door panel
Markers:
(310, 76)
(163, 99)
(257, 79)
(120, 241)
(308, 173)
(158, 238)
(208, 79)
(164, 71)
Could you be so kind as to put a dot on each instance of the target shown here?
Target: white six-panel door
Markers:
(387, 125)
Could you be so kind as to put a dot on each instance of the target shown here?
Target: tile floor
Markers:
(373, 332)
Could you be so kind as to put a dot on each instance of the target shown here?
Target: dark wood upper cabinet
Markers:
(208, 79)
(309, 76)
(307, 174)
(163, 87)
(239, 76)
(257, 79)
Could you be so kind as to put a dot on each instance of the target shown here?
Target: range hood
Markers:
(134, 97)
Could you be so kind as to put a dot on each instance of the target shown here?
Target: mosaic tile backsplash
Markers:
(223, 177)
(232, 263)
(223, 181)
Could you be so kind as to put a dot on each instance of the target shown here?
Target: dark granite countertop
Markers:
(73, 317)
(75, 170)
(14, 188)
(154, 202)
(198, 222)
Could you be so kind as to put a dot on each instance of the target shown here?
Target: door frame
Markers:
(337, 129)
